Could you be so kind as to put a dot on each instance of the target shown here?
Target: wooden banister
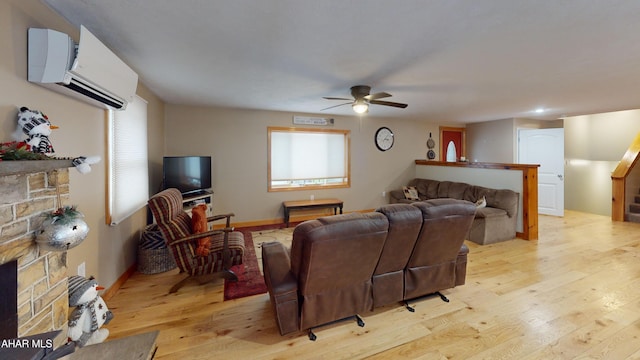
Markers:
(618, 179)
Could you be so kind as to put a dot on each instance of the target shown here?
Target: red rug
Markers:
(250, 280)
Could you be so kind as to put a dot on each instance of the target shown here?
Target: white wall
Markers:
(491, 141)
(594, 144)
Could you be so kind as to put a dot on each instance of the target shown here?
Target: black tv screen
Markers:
(189, 174)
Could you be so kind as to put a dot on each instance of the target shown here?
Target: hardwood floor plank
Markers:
(573, 293)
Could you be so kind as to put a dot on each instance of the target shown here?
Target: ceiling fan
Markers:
(362, 99)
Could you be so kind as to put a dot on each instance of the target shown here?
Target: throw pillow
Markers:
(199, 225)
(481, 202)
(410, 193)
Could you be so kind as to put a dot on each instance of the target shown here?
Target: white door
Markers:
(545, 147)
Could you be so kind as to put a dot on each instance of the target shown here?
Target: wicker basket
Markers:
(153, 255)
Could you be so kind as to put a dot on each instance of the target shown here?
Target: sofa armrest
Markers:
(282, 286)
(461, 265)
(396, 196)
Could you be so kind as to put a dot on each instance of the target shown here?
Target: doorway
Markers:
(546, 148)
(457, 135)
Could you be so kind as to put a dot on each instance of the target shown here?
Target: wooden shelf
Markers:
(17, 167)
(479, 165)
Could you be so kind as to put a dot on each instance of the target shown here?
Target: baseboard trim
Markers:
(113, 289)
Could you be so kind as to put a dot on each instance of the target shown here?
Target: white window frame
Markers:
(306, 174)
(128, 167)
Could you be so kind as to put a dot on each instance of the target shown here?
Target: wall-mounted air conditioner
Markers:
(88, 71)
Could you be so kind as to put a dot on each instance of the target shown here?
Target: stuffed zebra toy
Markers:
(37, 127)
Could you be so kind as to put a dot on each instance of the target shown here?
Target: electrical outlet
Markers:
(384, 194)
(311, 197)
(81, 270)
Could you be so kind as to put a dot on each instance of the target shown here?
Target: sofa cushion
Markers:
(443, 189)
(405, 222)
(505, 199)
(333, 258)
(474, 193)
(482, 202)
(410, 193)
(427, 189)
(432, 265)
(487, 212)
(457, 190)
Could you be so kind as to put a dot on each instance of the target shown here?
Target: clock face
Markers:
(430, 143)
(384, 139)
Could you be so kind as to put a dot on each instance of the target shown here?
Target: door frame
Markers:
(462, 147)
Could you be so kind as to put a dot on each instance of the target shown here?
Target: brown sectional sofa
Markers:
(344, 265)
(493, 223)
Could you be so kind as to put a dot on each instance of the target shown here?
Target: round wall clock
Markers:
(384, 139)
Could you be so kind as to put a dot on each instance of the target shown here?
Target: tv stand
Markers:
(189, 201)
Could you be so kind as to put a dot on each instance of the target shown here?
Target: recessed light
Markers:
(539, 110)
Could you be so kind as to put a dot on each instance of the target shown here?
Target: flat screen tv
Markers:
(189, 174)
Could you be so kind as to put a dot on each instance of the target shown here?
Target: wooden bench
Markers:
(334, 204)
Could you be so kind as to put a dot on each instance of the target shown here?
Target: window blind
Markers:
(307, 158)
(298, 155)
(128, 165)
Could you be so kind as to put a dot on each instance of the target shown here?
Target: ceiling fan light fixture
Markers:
(360, 107)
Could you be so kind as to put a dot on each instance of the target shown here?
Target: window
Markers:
(302, 159)
(127, 166)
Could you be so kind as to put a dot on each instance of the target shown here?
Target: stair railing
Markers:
(619, 177)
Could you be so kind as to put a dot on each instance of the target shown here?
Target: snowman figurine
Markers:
(90, 314)
(37, 127)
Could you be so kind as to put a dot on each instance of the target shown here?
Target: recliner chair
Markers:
(405, 222)
(227, 245)
(438, 260)
(327, 275)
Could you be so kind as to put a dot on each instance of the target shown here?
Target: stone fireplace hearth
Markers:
(42, 297)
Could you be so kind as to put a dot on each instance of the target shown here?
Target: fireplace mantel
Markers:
(17, 167)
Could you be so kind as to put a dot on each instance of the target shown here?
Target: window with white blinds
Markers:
(307, 158)
(127, 161)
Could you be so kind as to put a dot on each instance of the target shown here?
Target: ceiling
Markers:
(455, 61)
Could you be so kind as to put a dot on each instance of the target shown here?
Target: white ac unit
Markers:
(89, 71)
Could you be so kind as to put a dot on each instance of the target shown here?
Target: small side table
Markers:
(334, 204)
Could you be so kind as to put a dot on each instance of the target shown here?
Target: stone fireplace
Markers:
(26, 192)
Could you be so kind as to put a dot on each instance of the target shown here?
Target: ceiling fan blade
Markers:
(331, 107)
(379, 95)
(336, 98)
(388, 103)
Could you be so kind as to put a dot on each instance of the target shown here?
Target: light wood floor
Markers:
(574, 293)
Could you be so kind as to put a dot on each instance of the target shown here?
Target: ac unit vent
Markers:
(94, 93)
(88, 71)
(306, 120)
